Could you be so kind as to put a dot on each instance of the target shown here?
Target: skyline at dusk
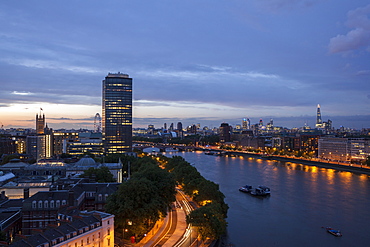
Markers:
(194, 62)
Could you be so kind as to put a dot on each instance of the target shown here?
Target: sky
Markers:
(191, 61)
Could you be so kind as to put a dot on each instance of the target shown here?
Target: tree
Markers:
(162, 181)
(101, 175)
(9, 157)
(143, 199)
(135, 202)
(367, 162)
(208, 220)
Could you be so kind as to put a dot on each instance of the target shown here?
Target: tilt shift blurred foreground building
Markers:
(117, 113)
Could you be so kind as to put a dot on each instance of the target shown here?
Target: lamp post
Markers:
(190, 234)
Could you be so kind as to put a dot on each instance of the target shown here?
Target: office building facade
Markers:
(117, 113)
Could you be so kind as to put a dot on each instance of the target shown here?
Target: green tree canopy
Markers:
(144, 198)
(101, 175)
(208, 220)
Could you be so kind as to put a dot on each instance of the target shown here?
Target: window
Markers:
(108, 241)
(82, 242)
(57, 204)
(88, 240)
(108, 222)
(64, 202)
(52, 204)
(100, 197)
(106, 196)
(40, 224)
(108, 231)
(34, 204)
(75, 244)
(40, 204)
(46, 204)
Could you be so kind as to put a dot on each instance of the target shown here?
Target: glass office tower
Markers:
(117, 113)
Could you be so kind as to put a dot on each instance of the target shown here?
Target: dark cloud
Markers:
(358, 37)
(185, 55)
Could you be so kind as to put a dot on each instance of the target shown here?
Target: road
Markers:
(175, 232)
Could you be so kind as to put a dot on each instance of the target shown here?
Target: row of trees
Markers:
(147, 196)
(143, 199)
(210, 218)
(186, 140)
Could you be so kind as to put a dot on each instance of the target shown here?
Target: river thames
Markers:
(303, 200)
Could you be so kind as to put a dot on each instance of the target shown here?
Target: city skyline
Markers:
(192, 62)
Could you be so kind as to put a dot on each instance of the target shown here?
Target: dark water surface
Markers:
(303, 199)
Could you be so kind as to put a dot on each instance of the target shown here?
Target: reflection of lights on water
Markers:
(314, 169)
(364, 177)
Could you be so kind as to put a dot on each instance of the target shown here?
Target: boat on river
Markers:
(259, 192)
(265, 189)
(246, 189)
(334, 232)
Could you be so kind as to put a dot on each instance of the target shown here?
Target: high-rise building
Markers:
(117, 113)
(318, 118)
(224, 131)
(179, 126)
(245, 124)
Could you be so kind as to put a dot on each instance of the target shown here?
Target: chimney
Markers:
(3, 196)
(26, 193)
(71, 198)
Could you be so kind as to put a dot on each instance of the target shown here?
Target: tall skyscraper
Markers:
(244, 124)
(117, 113)
(318, 118)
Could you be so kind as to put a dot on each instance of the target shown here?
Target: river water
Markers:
(303, 200)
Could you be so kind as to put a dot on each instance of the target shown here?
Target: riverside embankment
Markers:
(304, 197)
(312, 162)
